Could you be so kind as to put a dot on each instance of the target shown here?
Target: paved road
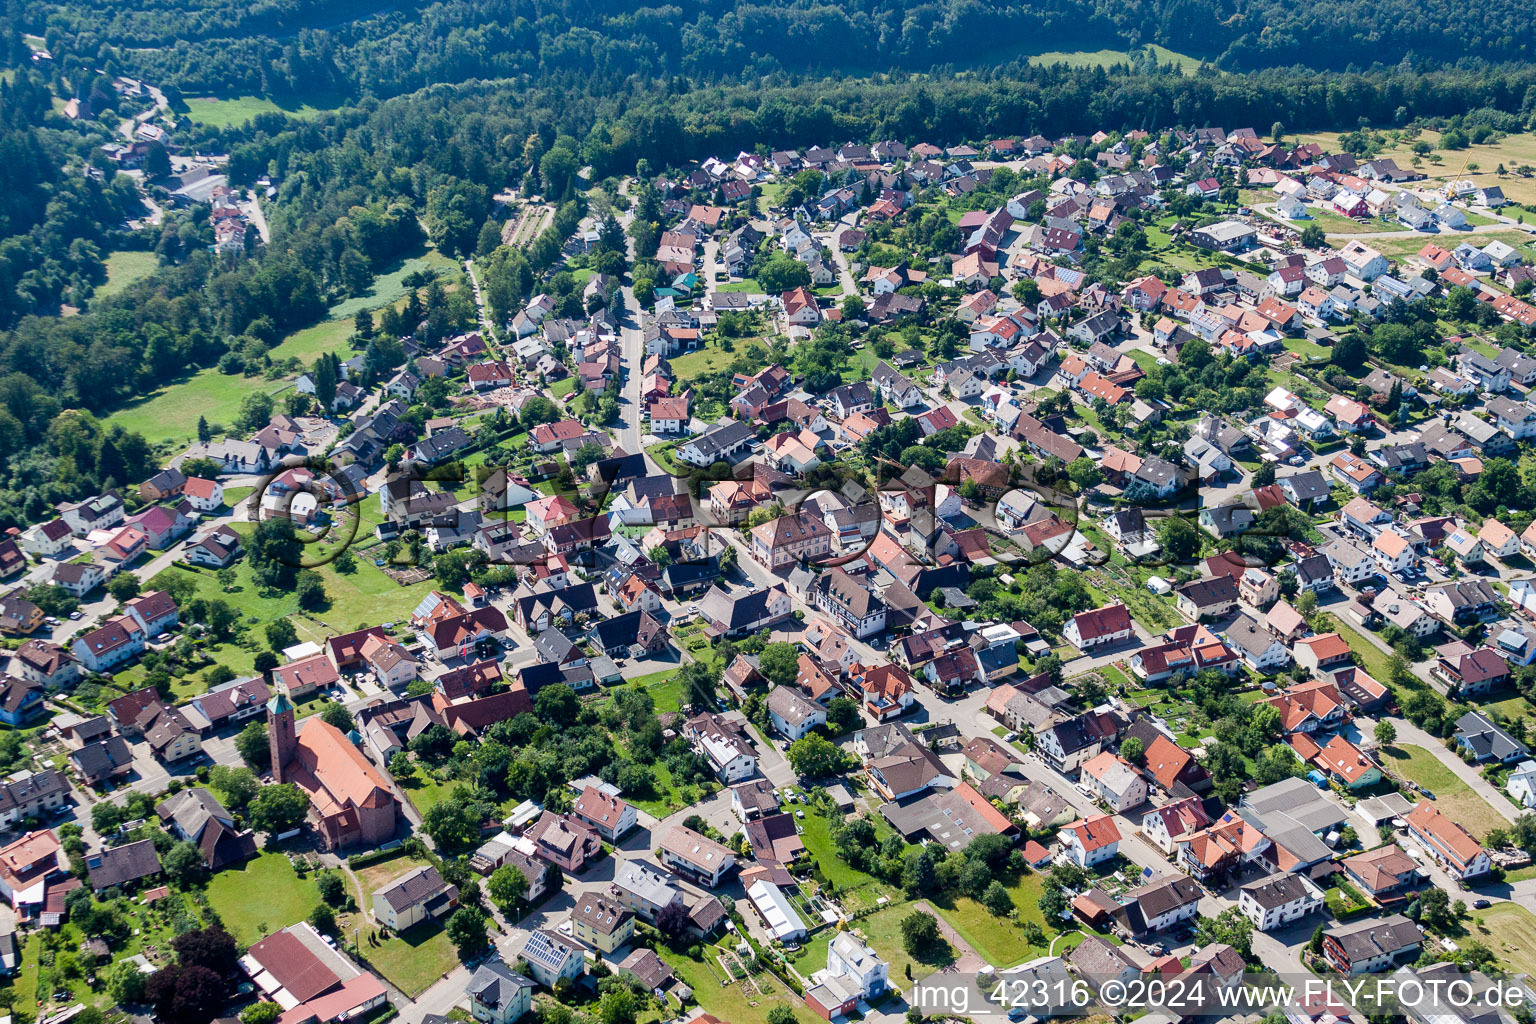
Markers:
(1411, 734)
(258, 216)
(485, 318)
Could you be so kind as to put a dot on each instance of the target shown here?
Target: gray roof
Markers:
(1364, 940)
(1094, 958)
(1277, 890)
(550, 949)
(1307, 486)
(415, 887)
(722, 438)
(648, 883)
(1467, 593)
(790, 705)
(1292, 813)
(123, 864)
(1249, 637)
(496, 984)
(1487, 740)
(192, 809)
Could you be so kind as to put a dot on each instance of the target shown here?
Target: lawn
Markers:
(227, 113)
(1512, 708)
(817, 836)
(1304, 348)
(669, 796)
(308, 343)
(665, 688)
(1372, 658)
(746, 284)
(1453, 796)
(423, 791)
(170, 413)
(183, 688)
(882, 930)
(261, 896)
(738, 1002)
(1510, 931)
(360, 598)
(375, 876)
(412, 960)
(707, 360)
(390, 286)
(124, 268)
(999, 940)
(1338, 224)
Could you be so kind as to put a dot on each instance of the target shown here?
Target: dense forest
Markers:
(308, 48)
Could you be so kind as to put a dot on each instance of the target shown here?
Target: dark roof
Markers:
(415, 886)
(222, 846)
(101, 757)
(495, 984)
(1209, 592)
(120, 865)
(636, 627)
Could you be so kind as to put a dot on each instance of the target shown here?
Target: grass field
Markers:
(665, 688)
(226, 113)
(1107, 58)
(170, 413)
(1453, 796)
(1513, 151)
(818, 840)
(1372, 658)
(423, 791)
(738, 1002)
(1510, 931)
(747, 285)
(1304, 348)
(1512, 708)
(390, 286)
(708, 360)
(1338, 224)
(999, 940)
(124, 268)
(356, 599)
(261, 896)
(882, 930)
(307, 344)
(414, 959)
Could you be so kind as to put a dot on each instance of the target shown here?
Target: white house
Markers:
(1279, 899)
(1115, 782)
(793, 715)
(45, 540)
(853, 974)
(498, 994)
(1098, 627)
(1522, 784)
(551, 956)
(1364, 262)
(1090, 841)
